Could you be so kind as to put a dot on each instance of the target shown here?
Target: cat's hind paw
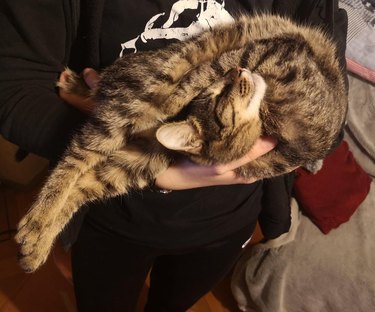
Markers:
(29, 233)
(314, 167)
(35, 240)
(30, 259)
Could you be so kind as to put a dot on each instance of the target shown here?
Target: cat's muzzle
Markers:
(254, 85)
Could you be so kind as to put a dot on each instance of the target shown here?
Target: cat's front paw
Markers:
(73, 83)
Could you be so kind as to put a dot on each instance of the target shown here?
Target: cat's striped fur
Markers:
(299, 98)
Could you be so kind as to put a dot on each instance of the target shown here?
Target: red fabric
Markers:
(331, 196)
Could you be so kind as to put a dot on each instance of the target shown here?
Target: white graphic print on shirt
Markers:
(211, 13)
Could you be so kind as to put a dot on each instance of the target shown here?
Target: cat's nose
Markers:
(244, 72)
(239, 71)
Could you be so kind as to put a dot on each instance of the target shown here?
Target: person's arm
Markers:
(186, 175)
(34, 47)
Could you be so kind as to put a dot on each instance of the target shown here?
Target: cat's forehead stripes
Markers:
(244, 60)
(217, 67)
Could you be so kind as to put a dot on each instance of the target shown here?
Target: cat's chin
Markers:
(260, 87)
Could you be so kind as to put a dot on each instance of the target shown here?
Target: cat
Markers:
(209, 98)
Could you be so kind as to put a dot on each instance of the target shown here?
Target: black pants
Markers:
(109, 272)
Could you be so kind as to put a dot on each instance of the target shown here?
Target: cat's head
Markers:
(222, 122)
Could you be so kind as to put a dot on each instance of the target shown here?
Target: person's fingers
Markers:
(91, 77)
(261, 147)
(230, 177)
(186, 175)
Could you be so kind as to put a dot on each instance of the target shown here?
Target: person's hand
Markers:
(84, 104)
(186, 175)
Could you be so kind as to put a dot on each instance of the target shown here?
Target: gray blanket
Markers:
(361, 123)
(314, 272)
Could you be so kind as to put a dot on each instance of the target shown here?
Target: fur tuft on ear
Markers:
(179, 136)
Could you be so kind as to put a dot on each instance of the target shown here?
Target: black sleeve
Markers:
(35, 40)
(275, 216)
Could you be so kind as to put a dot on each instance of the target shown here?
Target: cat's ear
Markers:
(179, 136)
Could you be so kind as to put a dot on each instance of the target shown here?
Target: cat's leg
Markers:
(52, 198)
(208, 46)
(38, 242)
(190, 86)
(85, 152)
(122, 171)
(41, 230)
(180, 58)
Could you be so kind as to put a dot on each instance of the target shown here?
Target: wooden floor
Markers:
(50, 288)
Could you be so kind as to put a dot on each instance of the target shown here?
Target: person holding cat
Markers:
(189, 238)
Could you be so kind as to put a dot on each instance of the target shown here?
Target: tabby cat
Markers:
(209, 97)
